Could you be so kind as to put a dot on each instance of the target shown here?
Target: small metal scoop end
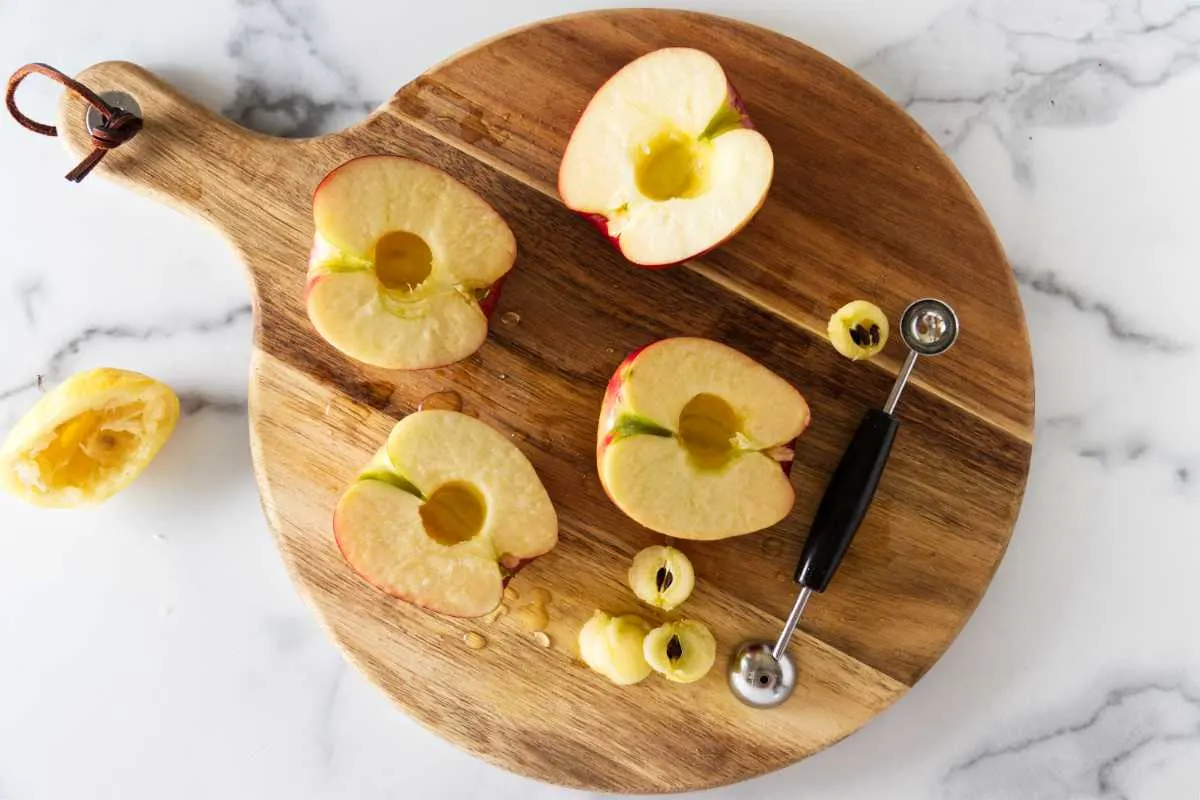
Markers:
(929, 327)
(757, 678)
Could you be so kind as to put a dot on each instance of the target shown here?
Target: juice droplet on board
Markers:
(532, 616)
(510, 317)
(448, 400)
(772, 547)
(474, 640)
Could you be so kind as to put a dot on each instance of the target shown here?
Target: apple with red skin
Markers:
(406, 263)
(445, 514)
(665, 161)
(695, 438)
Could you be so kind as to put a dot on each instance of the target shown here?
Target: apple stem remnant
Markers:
(491, 297)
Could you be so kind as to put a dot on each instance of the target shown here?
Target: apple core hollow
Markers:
(707, 427)
(671, 165)
(84, 447)
(454, 513)
(403, 260)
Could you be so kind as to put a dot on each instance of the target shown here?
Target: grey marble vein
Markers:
(327, 742)
(318, 94)
(1117, 451)
(288, 634)
(54, 368)
(193, 402)
(1034, 65)
(1087, 758)
(28, 294)
(292, 114)
(1048, 284)
(20, 388)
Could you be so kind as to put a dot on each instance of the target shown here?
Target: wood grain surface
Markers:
(863, 205)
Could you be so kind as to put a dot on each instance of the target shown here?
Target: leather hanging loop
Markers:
(116, 127)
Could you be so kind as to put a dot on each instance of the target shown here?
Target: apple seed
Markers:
(664, 578)
(674, 648)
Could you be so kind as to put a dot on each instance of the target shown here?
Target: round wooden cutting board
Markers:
(863, 205)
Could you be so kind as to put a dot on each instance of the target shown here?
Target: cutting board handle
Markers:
(185, 154)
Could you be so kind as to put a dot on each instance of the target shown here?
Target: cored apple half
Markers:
(443, 513)
(664, 160)
(694, 437)
(402, 256)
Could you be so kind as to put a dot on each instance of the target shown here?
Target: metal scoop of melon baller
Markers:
(761, 673)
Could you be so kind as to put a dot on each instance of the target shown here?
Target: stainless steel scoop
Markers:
(761, 673)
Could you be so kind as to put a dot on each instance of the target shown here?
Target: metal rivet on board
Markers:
(120, 100)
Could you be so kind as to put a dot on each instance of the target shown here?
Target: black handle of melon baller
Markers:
(842, 508)
(929, 327)
(846, 499)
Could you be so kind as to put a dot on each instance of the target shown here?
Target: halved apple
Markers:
(694, 437)
(443, 512)
(664, 160)
(402, 257)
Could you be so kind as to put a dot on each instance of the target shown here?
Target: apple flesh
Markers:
(615, 647)
(443, 512)
(664, 160)
(402, 257)
(682, 651)
(692, 439)
(662, 577)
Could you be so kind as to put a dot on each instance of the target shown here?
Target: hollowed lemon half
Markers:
(88, 439)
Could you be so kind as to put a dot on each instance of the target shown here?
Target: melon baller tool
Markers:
(761, 673)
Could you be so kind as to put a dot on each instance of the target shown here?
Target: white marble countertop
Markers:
(154, 647)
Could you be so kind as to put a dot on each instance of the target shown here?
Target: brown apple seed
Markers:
(674, 649)
(663, 579)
